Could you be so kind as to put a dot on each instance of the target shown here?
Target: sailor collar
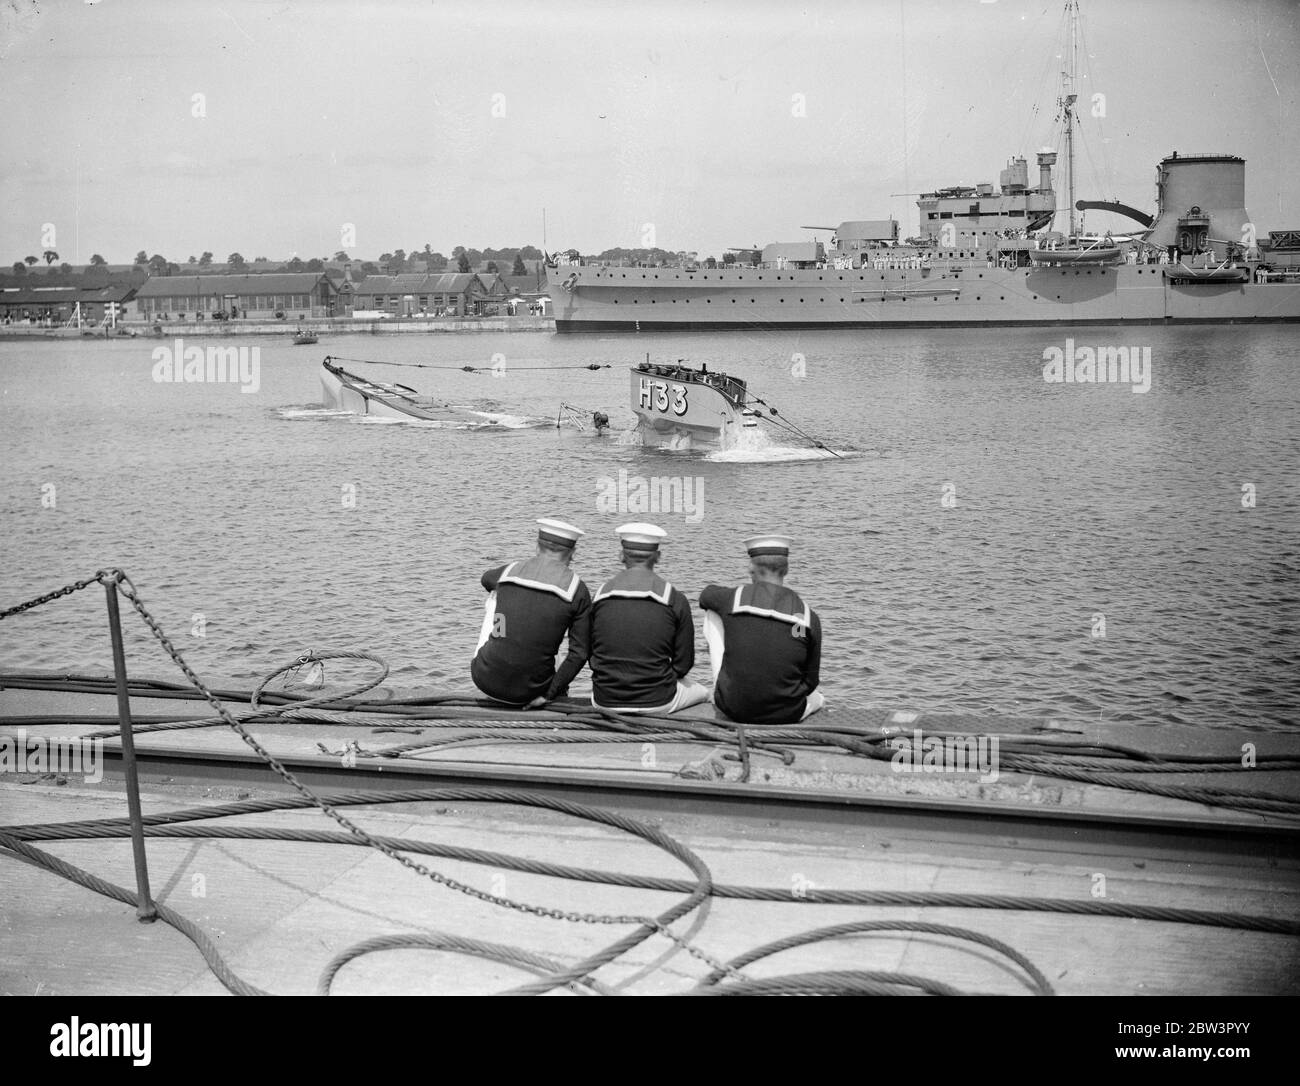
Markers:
(789, 607)
(565, 593)
(634, 584)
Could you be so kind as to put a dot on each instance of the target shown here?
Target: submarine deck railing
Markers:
(146, 910)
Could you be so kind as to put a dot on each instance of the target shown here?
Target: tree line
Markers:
(394, 263)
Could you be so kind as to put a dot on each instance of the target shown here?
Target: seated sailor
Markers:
(531, 605)
(642, 634)
(764, 642)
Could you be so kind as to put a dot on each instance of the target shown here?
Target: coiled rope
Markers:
(554, 975)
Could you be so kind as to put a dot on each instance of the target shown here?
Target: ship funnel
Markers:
(1046, 160)
(1201, 202)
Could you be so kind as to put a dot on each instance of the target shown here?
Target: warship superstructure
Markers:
(983, 256)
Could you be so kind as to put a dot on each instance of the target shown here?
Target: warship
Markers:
(982, 257)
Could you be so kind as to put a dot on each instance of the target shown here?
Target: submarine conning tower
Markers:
(1201, 202)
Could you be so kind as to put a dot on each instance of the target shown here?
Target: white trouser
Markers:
(688, 694)
(489, 614)
(715, 636)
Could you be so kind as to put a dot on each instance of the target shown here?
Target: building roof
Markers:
(450, 282)
(419, 283)
(522, 284)
(26, 295)
(408, 282)
(196, 286)
(373, 284)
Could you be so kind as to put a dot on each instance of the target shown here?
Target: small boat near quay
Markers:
(304, 338)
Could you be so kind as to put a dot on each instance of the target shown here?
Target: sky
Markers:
(279, 128)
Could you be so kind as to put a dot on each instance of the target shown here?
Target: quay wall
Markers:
(320, 326)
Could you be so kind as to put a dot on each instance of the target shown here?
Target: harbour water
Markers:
(988, 542)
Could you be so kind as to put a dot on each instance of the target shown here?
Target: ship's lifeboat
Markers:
(1217, 273)
(1055, 248)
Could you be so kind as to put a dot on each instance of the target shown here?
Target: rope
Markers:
(1040, 984)
(837, 982)
(478, 948)
(191, 931)
(553, 974)
(646, 926)
(170, 825)
(776, 417)
(1087, 763)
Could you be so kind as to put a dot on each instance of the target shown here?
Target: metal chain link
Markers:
(127, 588)
(66, 590)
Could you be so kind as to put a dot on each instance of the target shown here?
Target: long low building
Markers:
(287, 295)
(457, 294)
(62, 304)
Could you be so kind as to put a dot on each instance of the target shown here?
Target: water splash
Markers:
(754, 445)
(309, 413)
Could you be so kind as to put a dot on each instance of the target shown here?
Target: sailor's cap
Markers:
(640, 537)
(556, 531)
(768, 544)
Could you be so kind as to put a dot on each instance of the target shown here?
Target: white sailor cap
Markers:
(556, 531)
(640, 537)
(768, 544)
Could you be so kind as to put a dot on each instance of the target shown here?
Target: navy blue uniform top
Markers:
(642, 640)
(773, 654)
(537, 602)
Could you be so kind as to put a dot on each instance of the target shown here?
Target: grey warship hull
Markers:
(600, 299)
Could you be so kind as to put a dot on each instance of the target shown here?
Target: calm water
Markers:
(1074, 506)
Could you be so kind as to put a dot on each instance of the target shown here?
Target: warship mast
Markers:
(1067, 100)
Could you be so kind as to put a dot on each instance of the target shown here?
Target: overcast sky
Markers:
(264, 127)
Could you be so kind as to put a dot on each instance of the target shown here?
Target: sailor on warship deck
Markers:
(765, 643)
(642, 634)
(530, 607)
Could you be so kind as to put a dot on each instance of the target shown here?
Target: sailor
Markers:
(765, 643)
(642, 634)
(531, 605)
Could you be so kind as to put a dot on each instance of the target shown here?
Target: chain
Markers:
(696, 952)
(127, 588)
(67, 590)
